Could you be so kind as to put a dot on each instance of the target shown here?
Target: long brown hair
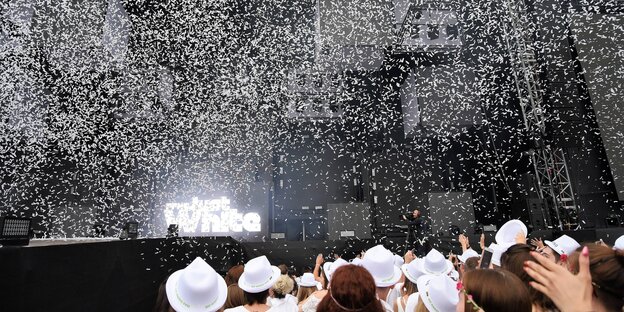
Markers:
(607, 271)
(235, 297)
(496, 290)
(409, 287)
(421, 307)
(304, 292)
(233, 274)
(162, 303)
(352, 288)
(513, 260)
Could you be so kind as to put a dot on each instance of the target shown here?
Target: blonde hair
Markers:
(420, 307)
(283, 286)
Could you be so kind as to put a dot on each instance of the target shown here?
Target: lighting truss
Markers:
(549, 163)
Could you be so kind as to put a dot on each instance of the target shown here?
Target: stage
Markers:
(108, 274)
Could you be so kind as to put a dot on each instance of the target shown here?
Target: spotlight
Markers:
(14, 231)
(133, 229)
(130, 230)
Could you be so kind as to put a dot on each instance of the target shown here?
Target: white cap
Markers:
(563, 245)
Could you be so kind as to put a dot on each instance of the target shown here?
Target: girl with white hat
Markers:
(257, 278)
(560, 249)
(438, 293)
(307, 286)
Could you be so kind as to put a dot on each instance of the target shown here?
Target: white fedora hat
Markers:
(507, 233)
(435, 263)
(563, 245)
(258, 275)
(330, 267)
(380, 264)
(470, 253)
(412, 271)
(619, 243)
(307, 280)
(398, 261)
(438, 292)
(356, 261)
(197, 287)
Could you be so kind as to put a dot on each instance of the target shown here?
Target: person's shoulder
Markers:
(236, 309)
(320, 293)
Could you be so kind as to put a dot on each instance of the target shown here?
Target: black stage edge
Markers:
(125, 275)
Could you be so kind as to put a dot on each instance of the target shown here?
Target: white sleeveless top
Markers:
(412, 302)
(310, 304)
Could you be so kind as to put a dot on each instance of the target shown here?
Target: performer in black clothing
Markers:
(417, 233)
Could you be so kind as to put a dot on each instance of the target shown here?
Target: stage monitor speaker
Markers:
(348, 218)
(538, 213)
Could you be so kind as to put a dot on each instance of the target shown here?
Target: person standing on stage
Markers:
(417, 232)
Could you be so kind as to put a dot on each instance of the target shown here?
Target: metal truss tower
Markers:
(549, 162)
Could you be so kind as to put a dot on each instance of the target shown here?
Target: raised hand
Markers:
(521, 238)
(319, 259)
(537, 242)
(482, 241)
(409, 257)
(569, 292)
(463, 240)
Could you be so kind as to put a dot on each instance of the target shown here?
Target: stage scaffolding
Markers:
(549, 162)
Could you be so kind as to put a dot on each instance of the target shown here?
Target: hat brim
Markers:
(396, 276)
(447, 270)
(463, 258)
(175, 303)
(244, 285)
(552, 246)
(499, 235)
(423, 291)
(407, 273)
(307, 285)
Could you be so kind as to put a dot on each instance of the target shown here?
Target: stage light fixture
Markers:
(14, 231)
(130, 230)
(173, 230)
(133, 229)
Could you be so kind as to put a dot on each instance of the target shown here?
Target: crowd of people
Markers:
(510, 274)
